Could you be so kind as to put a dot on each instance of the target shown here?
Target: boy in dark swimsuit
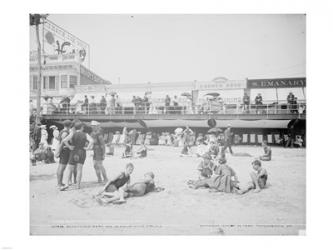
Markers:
(258, 178)
(135, 190)
(112, 187)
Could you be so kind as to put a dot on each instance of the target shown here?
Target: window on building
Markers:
(64, 83)
(45, 82)
(34, 82)
(52, 82)
(72, 81)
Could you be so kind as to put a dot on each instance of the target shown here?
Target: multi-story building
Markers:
(60, 75)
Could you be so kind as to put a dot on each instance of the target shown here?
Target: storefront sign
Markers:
(221, 85)
(276, 83)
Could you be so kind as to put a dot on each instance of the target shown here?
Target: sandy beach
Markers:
(277, 210)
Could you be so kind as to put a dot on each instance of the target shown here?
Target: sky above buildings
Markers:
(161, 48)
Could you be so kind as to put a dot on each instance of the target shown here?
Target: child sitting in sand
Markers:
(128, 150)
(201, 148)
(135, 190)
(142, 151)
(258, 178)
(213, 149)
(267, 152)
(206, 167)
(113, 185)
(223, 179)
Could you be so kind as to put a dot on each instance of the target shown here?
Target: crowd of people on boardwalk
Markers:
(70, 145)
(111, 104)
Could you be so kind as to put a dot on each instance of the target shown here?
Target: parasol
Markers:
(213, 94)
(178, 130)
(214, 131)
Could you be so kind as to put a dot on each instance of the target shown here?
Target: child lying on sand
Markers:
(135, 190)
(122, 180)
(258, 178)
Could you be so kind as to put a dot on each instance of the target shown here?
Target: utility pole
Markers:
(35, 19)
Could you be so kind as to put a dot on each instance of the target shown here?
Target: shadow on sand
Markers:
(42, 177)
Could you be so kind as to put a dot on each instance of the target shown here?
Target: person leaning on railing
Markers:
(258, 102)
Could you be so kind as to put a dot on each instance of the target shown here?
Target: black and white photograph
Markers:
(167, 124)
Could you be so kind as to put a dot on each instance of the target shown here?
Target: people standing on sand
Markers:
(63, 152)
(123, 136)
(77, 155)
(186, 136)
(99, 152)
(258, 178)
(112, 187)
(267, 152)
(228, 139)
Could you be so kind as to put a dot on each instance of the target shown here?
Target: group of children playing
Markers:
(215, 174)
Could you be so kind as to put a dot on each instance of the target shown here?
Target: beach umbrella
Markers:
(213, 94)
(214, 131)
(178, 130)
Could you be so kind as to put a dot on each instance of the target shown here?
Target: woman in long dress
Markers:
(55, 140)
(44, 136)
(123, 136)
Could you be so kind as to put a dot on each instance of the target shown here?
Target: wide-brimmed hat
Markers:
(43, 126)
(67, 123)
(53, 126)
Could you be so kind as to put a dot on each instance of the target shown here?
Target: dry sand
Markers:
(278, 209)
